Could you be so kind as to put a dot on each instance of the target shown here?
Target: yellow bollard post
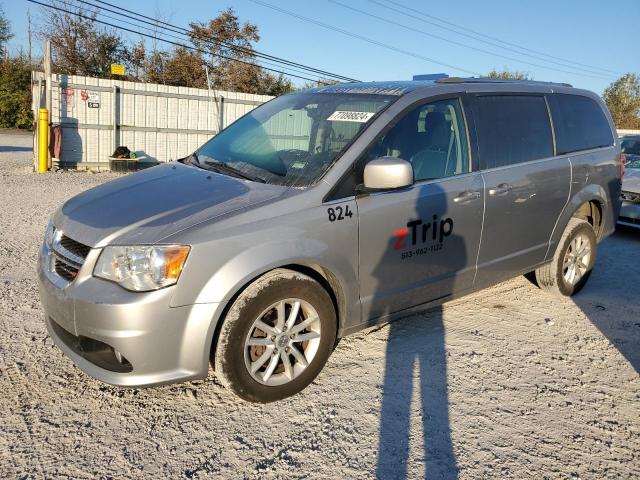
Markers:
(43, 140)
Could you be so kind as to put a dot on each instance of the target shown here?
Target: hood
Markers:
(145, 207)
(631, 180)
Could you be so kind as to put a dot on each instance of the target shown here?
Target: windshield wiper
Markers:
(224, 168)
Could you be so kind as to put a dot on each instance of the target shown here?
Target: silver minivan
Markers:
(321, 213)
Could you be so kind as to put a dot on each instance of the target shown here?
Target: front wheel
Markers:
(276, 337)
(572, 262)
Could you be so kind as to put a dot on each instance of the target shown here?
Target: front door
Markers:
(420, 243)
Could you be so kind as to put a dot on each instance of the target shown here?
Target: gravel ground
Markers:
(507, 383)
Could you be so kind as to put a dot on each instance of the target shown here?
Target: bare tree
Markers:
(79, 47)
(223, 44)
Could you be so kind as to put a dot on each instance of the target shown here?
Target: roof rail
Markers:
(496, 80)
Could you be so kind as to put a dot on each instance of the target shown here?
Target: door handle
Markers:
(501, 189)
(466, 197)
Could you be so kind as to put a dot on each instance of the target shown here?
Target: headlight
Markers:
(49, 234)
(142, 268)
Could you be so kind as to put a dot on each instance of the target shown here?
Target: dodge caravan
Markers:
(321, 213)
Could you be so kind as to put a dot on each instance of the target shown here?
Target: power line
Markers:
(237, 48)
(170, 42)
(422, 32)
(476, 36)
(164, 34)
(362, 37)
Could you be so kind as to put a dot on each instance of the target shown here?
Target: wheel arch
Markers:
(590, 204)
(324, 276)
(591, 212)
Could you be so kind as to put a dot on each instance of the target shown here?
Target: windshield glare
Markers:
(292, 140)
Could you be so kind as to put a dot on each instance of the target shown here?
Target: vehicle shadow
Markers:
(416, 357)
(610, 298)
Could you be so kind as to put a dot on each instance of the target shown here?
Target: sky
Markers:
(400, 43)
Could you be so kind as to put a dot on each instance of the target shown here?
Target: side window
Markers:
(512, 129)
(432, 137)
(580, 123)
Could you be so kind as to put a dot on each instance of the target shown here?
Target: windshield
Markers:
(291, 140)
(631, 146)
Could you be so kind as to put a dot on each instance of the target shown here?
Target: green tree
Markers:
(623, 100)
(15, 93)
(275, 86)
(5, 33)
(509, 75)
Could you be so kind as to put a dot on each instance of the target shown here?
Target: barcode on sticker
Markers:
(343, 116)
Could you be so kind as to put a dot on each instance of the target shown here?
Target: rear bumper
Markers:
(127, 338)
(629, 214)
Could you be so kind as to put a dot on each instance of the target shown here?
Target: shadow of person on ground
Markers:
(416, 358)
(416, 343)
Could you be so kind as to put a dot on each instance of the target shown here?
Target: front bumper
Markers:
(629, 214)
(126, 338)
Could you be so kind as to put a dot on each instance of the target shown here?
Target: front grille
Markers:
(67, 256)
(65, 270)
(74, 247)
(631, 197)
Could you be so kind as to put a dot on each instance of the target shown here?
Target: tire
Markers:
(270, 298)
(552, 277)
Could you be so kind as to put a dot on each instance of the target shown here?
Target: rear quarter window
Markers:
(512, 129)
(579, 123)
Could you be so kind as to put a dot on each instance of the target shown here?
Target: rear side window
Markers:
(512, 129)
(580, 123)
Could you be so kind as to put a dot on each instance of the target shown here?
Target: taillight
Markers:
(623, 160)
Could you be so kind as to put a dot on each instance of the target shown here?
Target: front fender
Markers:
(238, 271)
(218, 268)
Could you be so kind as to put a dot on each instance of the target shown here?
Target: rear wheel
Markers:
(276, 337)
(572, 262)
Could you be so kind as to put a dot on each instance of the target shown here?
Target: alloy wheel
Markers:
(282, 342)
(576, 259)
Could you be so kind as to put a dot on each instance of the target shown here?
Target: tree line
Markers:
(223, 45)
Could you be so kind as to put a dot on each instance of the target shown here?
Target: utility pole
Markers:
(48, 90)
(47, 73)
(215, 101)
(29, 23)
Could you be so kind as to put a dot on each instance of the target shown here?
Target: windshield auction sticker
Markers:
(343, 116)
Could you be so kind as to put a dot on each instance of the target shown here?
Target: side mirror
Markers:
(387, 173)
